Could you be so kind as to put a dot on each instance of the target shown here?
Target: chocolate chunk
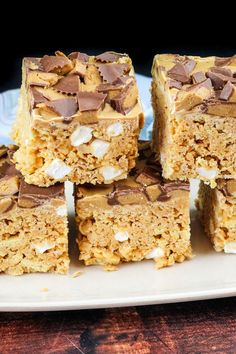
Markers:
(227, 91)
(222, 61)
(108, 87)
(37, 97)
(7, 169)
(198, 77)
(179, 73)
(223, 71)
(31, 196)
(177, 185)
(55, 64)
(218, 80)
(79, 56)
(149, 176)
(65, 107)
(124, 195)
(109, 57)
(68, 84)
(112, 72)
(90, 101)
(206, 83)
(175, 84)
(189, 65)
(3, 150)
(126, 99)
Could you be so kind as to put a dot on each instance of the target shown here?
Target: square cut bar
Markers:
(217, 209)
(78, 119)
(143, 217)
(194, 101)
(33, 224)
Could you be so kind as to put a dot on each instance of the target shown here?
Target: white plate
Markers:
(209, 275)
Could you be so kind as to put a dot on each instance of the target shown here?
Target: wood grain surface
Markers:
(197, 327)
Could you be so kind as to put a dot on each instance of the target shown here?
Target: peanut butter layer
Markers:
(65, 88)
(194, 101)
(144, 184)
(15, 191)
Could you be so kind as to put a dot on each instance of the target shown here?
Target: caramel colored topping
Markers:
(38, 78)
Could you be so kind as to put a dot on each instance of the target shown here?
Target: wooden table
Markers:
(197, 327)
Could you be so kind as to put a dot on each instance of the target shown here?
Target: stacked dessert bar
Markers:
(194, 101)
(78, 120)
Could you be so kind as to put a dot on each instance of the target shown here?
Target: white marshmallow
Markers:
(122, 236)
(155, 253)
(230, 247)
(61, 210)
(99, 148)
(58, 169)
(43, 247)
(115, 129)
(110, 172)
(81, 135)
(207, 173)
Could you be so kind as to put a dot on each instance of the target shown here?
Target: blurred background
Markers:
(42, 28)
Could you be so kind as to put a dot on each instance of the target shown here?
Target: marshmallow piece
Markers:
(121, 236)
(43, 247)
(207, 173)
(110, 172)
(230, 247)
(115, 129)
(58, 169)
(61, 210)
(99, 148)
(81, 135)
(155, 253)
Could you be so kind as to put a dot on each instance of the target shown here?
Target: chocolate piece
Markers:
(109, 57)
(112, 72)
(65, 107)
(79, 56)
(56, 64)
(109, 87)
(6, 204)
(126, 99)
(206, 83)
(179, 73)
(189, 65)
(9, 185)
(149, 176)
(198, 77)
(37, 97)
(222, 61)
(90, 101)
(31, 196)
(223, 71)
(218, 80)
(68, 84)
(227, 91)
(3, 150)
(7, 169)
(179, 185)
(175, 84)
(124, 195)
